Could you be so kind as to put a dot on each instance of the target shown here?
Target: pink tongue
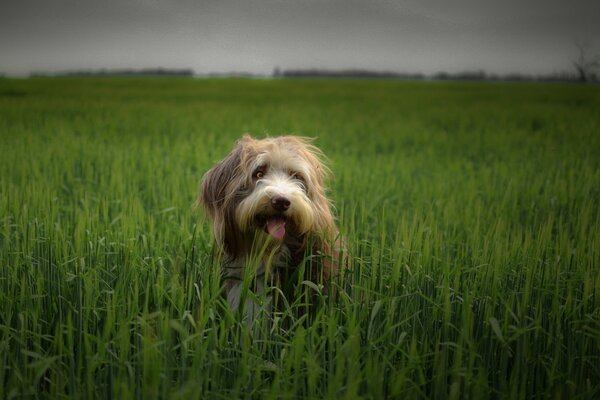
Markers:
(276, 227)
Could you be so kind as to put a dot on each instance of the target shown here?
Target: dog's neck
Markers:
(263, 254)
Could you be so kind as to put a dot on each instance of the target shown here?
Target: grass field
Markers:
(471, 212)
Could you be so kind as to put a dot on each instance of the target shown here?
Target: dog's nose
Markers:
(280, 203)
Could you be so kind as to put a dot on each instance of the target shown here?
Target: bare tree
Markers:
(585, 64)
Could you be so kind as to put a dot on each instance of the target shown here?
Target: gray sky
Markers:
(525, 36)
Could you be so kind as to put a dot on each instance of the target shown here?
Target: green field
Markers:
(471, 211)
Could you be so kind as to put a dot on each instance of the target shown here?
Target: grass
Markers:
(471, 212)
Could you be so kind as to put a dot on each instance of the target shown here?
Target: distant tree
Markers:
(585, 65)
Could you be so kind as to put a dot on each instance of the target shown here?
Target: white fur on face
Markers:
(284, 175)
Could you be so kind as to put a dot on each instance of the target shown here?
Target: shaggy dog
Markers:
(270, 215)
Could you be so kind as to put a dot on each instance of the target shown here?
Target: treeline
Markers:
(121, 72)
(458, 76)
(478, 75)
(345, 73)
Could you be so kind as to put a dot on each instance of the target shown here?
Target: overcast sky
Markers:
(498, 36)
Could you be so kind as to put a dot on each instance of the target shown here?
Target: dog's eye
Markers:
(259, 174)
(295, 175)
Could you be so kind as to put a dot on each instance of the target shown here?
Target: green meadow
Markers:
(471, 212)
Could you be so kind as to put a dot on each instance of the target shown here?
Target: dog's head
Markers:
(273, 187)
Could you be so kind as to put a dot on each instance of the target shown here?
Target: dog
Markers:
(270, 215)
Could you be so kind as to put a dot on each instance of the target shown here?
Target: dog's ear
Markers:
(218, 196)
(319, 174)
(322, 206)
(213, 190)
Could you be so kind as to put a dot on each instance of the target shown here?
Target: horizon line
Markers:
(467, 74)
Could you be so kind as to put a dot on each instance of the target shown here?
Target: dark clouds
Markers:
(256, 35)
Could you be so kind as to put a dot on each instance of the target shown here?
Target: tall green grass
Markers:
(470, 211)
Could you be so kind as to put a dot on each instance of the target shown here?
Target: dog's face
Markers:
(272, 187)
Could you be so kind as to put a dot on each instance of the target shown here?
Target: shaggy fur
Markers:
(268, 207)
